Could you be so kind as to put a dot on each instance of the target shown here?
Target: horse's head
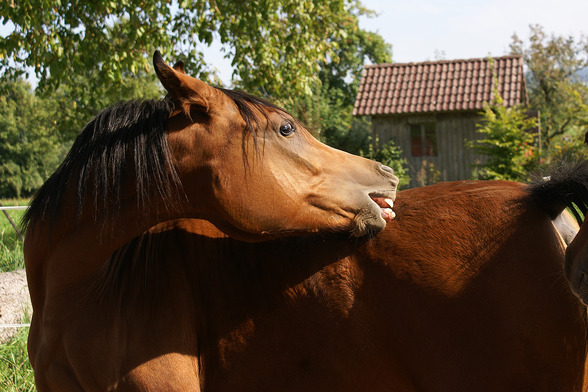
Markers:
(255, 172)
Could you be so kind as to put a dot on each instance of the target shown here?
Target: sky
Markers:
(461, 29)
(422, 30)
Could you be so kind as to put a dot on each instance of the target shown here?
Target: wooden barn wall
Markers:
(454, 160)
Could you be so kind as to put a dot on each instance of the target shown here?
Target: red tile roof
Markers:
(439, 86)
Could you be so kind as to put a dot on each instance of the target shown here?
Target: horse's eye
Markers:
(287, 129)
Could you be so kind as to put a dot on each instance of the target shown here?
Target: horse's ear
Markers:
(190, 93)
(179, 66)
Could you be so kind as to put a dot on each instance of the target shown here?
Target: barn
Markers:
(431, 109)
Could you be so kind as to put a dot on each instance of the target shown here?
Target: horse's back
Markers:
(463, 291)
(471, 277)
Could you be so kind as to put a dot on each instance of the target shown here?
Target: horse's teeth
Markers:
(390, 202)
(388, 211)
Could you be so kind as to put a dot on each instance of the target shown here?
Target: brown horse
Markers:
(202, 152)
(463, 291)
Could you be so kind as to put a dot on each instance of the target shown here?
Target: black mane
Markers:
(245, 101)
(126, 139)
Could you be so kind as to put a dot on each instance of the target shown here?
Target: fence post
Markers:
(12, 223)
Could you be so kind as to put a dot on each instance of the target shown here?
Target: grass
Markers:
(16, 373)
(11, 257)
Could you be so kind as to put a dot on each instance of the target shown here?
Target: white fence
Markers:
(13, 208)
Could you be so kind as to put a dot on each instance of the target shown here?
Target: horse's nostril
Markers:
(386, 169)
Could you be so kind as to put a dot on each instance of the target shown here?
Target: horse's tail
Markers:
(566, 186)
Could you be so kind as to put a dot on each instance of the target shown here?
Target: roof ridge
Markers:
(384, 65)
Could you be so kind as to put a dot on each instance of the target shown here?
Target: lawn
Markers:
(16, 374)
(11, 257)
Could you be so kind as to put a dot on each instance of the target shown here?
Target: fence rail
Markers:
(27, 325)
(13, 208)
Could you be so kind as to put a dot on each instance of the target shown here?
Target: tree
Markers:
(554, 88)
(37, 130)
(275, 45)
(328, 110)
(340, 82)
(29, 145)
(78, 103)
(508, 143)
(391, 155)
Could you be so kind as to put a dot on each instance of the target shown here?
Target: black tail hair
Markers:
(564, 184)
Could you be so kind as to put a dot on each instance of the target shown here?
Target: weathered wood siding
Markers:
(454, 160)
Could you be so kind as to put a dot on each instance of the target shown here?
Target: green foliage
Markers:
(37, 130)
(29, 147)
(340, 74)
(390, 155)
(507, 143)
(428, 174)
(275, 45)
(554, 88)
(75, 105)
(328, 111)
(568, 150)
(353, 137)
(16, 373)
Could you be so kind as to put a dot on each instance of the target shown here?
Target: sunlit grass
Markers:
(11, 257)
(16, 373)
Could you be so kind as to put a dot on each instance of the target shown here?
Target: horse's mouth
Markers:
(374, 218)
(386, 204)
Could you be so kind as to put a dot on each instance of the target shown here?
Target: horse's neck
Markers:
(233, 280)
(74, 246)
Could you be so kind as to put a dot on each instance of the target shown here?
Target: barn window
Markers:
(423, 140)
